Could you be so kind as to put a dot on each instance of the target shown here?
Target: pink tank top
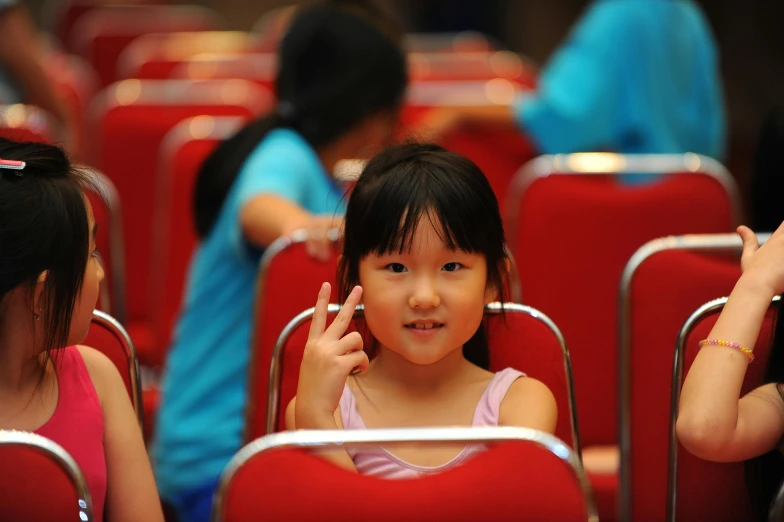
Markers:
(383, 464)
(77, 423)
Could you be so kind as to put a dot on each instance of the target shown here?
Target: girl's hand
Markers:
(327, 362)
(763, 265)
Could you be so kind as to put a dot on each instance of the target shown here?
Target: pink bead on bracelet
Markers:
(718, 342)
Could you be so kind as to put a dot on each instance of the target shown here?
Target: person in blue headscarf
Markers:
(633, 76)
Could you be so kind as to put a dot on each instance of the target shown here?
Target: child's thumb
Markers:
(749, 238)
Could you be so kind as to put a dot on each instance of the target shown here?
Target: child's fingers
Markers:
(343, 319)
(319, 321)
(348, 344)
(357, 360)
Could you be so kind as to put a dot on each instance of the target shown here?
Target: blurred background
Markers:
(748, 33)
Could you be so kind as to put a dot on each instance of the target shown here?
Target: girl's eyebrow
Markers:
(95, 229)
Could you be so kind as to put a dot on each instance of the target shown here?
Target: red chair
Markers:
(709, 490)
(154, 56)
(591, 225)
(466, 66)
(183, 151)
(259, 68)
(26, 123)
(36, 468)
(130, 120)
(524, 475)
(497, 150)
(663, 282)
(520, 325)
(101, 34)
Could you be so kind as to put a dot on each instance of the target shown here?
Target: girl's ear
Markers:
(38, 293)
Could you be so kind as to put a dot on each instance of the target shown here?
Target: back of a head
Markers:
(44, 227)
(339, 63)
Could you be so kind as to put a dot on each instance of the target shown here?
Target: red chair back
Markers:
(288, 283)
(663, 283)
(109, 337)
(131, 120)
(259, 68)
(709, 490)
(497, 150)
(571, 234)
(183, 151)
(102, 33)
(533, 477)
(511, 337)
(154, 56)
(40, 481)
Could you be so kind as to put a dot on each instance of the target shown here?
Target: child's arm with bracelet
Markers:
(714, 422)
(131, 494)
(328, 360)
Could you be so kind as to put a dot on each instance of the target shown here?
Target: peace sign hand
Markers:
(327, 361)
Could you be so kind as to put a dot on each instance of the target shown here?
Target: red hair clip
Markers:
(12, 165)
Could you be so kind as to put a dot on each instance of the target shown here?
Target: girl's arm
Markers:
(267, 217)
(339, 457)
(131, 495)
(529, 404)
(714, 422)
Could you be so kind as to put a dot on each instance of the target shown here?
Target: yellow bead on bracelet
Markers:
(748, 352)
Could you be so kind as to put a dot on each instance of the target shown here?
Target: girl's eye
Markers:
(396, 268)
(96, 254)
(452, 267)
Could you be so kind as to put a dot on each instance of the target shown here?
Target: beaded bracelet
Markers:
(718, 342)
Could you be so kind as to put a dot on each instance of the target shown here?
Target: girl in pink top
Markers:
(49, 279)
(424, 239)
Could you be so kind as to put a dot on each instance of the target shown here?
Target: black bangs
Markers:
(426, 187)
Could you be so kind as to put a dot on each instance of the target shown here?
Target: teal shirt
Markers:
(201, 417)
(634, 76)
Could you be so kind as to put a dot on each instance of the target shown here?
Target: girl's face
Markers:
(88, 297)
(426, 303)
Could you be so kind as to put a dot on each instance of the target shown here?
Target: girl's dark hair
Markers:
(338, 63)
(764, 474)
(410, 182)
(43, 227)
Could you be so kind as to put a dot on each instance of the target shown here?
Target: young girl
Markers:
(340, 82)
(49, 278)
(714, 421)
(424, 252)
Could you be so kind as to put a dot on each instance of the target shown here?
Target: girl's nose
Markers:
(424, 295)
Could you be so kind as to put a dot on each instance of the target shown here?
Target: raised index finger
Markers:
(341, 322)
(319, 321)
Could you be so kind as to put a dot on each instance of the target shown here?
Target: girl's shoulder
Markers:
(528, 403)
(102, 371)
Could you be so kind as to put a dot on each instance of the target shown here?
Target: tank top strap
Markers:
(348, 410)
(75, 384)
(488, 410)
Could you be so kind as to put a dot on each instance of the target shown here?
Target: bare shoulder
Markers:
(102, 371)
(529, 403)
